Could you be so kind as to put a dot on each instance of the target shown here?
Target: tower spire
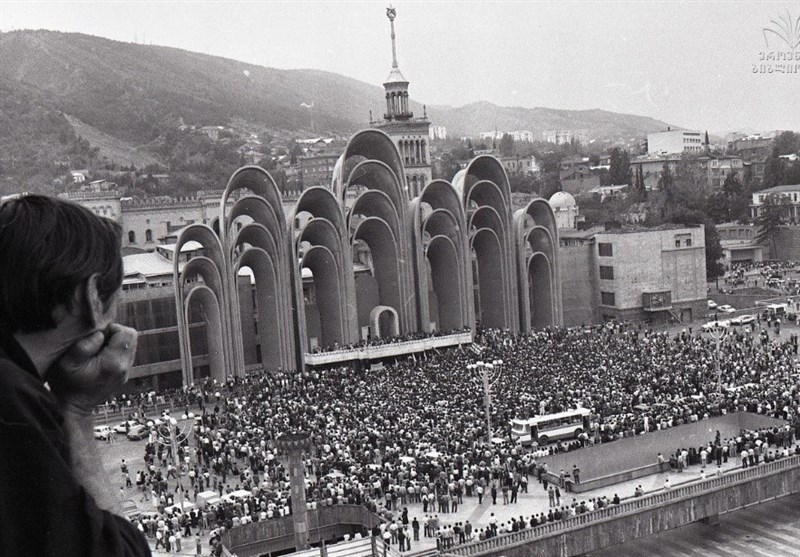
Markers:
(391, 13)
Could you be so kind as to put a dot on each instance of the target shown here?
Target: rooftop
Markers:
(780, 189)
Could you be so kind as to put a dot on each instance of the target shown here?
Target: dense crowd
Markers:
(415, 430)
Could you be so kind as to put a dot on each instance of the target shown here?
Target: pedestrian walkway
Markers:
(536, 501)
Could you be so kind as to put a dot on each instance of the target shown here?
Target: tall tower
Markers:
(410, 135)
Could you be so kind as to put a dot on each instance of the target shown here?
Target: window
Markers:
(688, 243)
(606, 272)
(608, 299)
(677, 243)
(605, 249)
(132, 237)
(148, 235)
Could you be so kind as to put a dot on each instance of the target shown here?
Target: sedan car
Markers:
(102, 432)
(712, 304)
(137, 432)
(726, 309)
(126, 426)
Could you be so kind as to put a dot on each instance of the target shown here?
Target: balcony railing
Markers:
(387, 350)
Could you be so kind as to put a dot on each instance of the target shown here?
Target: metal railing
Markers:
(631, 506)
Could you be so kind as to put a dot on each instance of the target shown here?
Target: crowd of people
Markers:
(415, 430)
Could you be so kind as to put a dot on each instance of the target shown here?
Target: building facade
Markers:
(739, 243)
(788, 197)
(675, 141)
(317, 169)
(652, 275)
(562, 137)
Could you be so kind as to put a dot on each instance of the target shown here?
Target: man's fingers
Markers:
(123, 339)
(84, 349)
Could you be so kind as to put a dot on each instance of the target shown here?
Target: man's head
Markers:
(56, 258)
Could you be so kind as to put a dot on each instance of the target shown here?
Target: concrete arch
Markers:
(321, 203)
(210, 266)
(321, 232)
(268, 304)
(443, 222)
(258, 181)
(322, 264)
(370, 144)
(375, 203)
(259, 211)
(485, 193)
(214, 333)
(441, 195)
(541, 291)
(386, 257)
(203, 267)
(379, 324)
(443, 257)
(487, 245)
(377, 175)
(257, 235)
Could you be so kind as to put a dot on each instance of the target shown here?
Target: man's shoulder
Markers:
(24, 396)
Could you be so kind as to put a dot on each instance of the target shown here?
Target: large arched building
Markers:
(362, 259)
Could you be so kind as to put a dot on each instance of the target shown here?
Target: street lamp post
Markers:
(490, 373)
(173, 443)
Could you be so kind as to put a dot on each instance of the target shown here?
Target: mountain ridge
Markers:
(133, 92)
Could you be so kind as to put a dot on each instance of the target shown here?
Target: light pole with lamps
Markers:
(173, 440)
(490, 373)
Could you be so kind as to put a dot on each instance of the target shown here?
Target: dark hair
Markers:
(48, 247)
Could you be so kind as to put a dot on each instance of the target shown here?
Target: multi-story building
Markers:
(437, 132)
(675, 141)
(317, 170)
(739, 243)
(788, 196)
(710, 170)
(654, 275)
(561, 137)
(410, 135)
(750, 148)
(518, 135)
(520, 166)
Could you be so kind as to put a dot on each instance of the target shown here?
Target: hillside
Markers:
(71, 95)
(483, 116)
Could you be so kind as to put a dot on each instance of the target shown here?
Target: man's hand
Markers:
(93, 368)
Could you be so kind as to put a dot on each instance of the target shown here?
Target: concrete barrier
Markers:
(644, 516)
(615, 461)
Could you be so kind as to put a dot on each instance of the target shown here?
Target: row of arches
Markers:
(365, 258)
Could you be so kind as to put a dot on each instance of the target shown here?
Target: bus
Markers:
(543, 429)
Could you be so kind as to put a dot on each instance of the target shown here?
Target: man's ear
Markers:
(92, 306)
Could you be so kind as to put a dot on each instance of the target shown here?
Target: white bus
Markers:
(543, 429)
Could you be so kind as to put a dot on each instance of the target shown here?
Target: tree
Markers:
(773, 169)
(619, 171)
(714, 266)
(507, 145)
(769, 220)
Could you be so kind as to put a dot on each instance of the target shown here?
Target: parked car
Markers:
(716, 324)
(712, 304)
(122, 429)
(743, 320)
(726, 309)
(137, 432)
(102, 432)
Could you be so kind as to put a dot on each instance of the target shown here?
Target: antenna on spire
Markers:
(391, 13)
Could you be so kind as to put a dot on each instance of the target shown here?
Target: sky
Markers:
(688, 63)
